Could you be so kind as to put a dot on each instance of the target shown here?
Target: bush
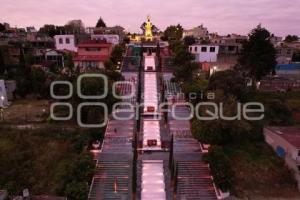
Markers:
(77, 191)
(220, 168)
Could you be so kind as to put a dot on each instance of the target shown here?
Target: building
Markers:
(294, 45)
(275, 40)
(279, 84)
(113, 39)
(284, 54)
(65, 42)
(31, 29)
(49, 59)
(205, 53)
(199, 32)
(286, 143)
(288, 70)
(92, 54)
(115, 30)
(233, 38)
(230, 48)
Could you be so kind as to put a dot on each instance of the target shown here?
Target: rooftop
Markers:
(94, 43)
(290, 134)
(294, 66)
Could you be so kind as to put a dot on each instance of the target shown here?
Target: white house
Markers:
(3, 95)
(65, 42)
(204, 53)
(113, 39)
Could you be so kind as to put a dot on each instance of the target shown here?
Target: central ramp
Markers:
(153, 184)
(151, 132)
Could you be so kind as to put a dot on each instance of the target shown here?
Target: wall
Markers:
(103, 51)
(202, 56)
(61, 46)
(275, 140)
(113, 39)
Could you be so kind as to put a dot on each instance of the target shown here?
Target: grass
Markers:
(38, 159)
(27, 110)
(258, 171)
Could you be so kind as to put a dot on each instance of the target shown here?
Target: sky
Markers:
(222, 16)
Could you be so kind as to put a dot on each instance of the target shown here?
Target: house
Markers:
(113, 39)
(31, 29)
(275, 40)
(199, 32)
(284, 54)
(49, 58)
(65, 42)
(92, 54)
(294, 45)
(286, 143)
(115, 30)
(233, 38)
(205, 52)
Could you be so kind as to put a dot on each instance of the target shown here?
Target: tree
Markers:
(38, 80)
(75, 176)
(258, 57)
(117, 54)
(296, 56)
(183, 56)
(231, 82)
(195, 86)
(189, 40)
(4, 59)
(278, 113)
(100, 23)
(221, 131)
(69, 63)
(74, 26)
(173, 32)
(2, 27)
(291, 38)
(220, 168)
(185, 72)
(49, 29)
(77, 191)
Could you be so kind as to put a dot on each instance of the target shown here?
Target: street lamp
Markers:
(214, 69)
(2, 108)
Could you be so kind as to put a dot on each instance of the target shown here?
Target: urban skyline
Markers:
(231, 17)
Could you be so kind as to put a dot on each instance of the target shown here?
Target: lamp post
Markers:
(214, 69)
(2, 108)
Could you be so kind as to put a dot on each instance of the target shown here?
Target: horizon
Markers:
(282, 17)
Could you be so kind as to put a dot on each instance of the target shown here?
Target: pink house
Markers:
(92, 54)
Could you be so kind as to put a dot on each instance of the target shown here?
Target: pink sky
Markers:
(222, 16)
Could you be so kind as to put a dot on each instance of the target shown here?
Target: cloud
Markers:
(281, 17)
